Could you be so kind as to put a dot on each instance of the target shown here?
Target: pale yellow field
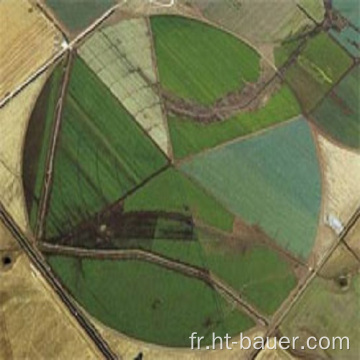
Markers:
(14, 117)
(342, 179)
(28, 40)
(130, 75)
(34, 324)
(274, 354)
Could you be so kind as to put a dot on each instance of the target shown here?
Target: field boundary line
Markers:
(114, 205)
(251, 135)
(52, 19)
(324, 189)
(329, 138)
(156, 71)
(49, 167)
(38, 261)
(160, 260)
(148, 83)
(288, 305)
(57, 56)
(306, 13)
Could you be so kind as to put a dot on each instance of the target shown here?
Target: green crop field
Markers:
(272, 180)
(313, 315)
(189, 137)
(338, 114)
(172, 191)
(283, 51)
(189, 252)
(37, 143)
(318, 67)
(102, 153)
(199, 62)
(148, 302)
(76, 15)
(258, 273)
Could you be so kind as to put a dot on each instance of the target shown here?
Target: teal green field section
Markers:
(199, 62)
(77, 15)
(349, 34)
(349, 9)
(272, 180)
(37, 143)
(172, 305)
(316, 70)
(172, 191)
(338, 114)
(349, 37)
(102, 153)
(190, 137)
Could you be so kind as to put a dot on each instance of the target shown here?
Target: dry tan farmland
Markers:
(271, 354)
(129, 348)
(34, 324)
(28, 40)
(342, 179)
(129, 77)
(14, 118)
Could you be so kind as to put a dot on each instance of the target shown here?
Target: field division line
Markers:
(171, 264)
(44, 269)
(287, 306)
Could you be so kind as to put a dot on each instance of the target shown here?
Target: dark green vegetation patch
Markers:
(199, 62)
(272, 180)
(316, 70)
(338, 114)
(172, 305)
(37, 143)
(78, 14)
(102, 154)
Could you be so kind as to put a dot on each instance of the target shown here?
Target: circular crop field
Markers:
(171, 180)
